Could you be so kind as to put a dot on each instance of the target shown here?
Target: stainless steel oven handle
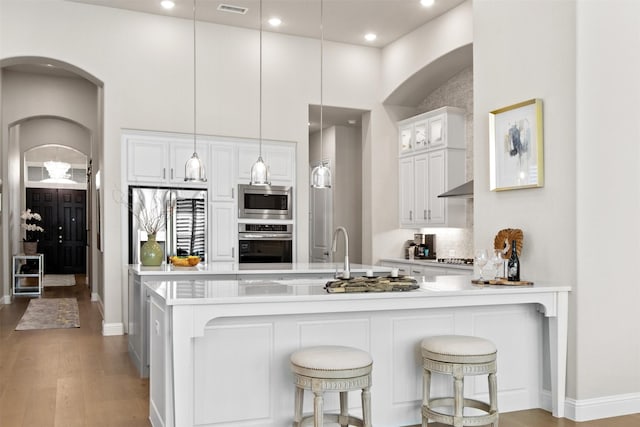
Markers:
(261, 236)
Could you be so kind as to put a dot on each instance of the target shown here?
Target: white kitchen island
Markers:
(220, 349)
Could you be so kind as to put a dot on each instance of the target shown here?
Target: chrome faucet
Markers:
(346, 274)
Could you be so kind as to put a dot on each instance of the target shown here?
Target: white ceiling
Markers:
(344, 20)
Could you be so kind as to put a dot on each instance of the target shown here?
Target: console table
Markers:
(27, 267)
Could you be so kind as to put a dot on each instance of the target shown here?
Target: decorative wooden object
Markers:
(503, 239)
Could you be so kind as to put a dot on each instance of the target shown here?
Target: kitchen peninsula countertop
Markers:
(190, 292)
(206, 334)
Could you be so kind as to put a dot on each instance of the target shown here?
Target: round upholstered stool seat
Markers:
(459, 355)
(332, 368)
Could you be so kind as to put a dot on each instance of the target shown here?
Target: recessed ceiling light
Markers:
(370, 37)
(275, 22)
(167, 4)
(427, 3)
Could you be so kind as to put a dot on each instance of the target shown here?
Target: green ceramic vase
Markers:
(151, 252)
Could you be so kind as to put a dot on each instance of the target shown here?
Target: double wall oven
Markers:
(270, 239)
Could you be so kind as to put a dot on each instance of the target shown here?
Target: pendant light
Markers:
(321, 174)
(194, 168)
(259, 170)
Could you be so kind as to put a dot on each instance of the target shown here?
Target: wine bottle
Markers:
(513, 266)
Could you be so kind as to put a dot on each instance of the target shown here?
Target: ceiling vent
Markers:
(232, 9)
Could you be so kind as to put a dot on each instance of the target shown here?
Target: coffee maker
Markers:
(424, 246)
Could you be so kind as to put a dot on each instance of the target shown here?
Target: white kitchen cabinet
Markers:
(223, 172)
(223, 231)
(406, 191)
(147, 160)
(279, 158)
(440, 128)
(179, 153)
(422, 178)
(157, 160)
(406, 137)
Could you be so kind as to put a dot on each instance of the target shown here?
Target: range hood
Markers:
(462, 191)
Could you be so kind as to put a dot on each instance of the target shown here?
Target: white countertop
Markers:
(199, 292)
(233, 268)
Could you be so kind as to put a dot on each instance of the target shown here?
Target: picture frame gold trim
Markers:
(516, 146)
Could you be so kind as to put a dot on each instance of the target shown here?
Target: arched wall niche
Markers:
(433, 75)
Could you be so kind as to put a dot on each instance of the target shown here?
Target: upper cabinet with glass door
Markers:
(441, 128)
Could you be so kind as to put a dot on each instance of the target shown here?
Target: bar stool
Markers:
(332, 368)
(458, 356)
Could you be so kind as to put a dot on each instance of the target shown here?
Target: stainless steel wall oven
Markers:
(265, 243)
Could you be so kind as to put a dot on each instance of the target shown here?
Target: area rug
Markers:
(59, 280)
(50, 313)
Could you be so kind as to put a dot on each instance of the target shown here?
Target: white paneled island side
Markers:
(220, 349)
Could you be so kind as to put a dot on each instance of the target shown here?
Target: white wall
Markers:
(518, 49)
(581, 228)
(608, 199)
(146, 67)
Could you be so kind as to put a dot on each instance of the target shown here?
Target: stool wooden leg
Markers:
(426, 393)
(344, 409)
(458, 399)
(299, 400)
(318, 408)
(493, 396)
(366, 407)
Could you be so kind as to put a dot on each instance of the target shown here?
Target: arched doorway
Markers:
(36, 89)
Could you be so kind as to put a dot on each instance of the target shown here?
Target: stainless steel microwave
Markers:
(265, 202)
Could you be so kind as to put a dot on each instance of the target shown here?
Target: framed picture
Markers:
(515, 149)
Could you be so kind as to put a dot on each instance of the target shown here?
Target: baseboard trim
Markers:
(597, 408)
(602, 407)
(109, 329)
(6, 299)
(95, 297)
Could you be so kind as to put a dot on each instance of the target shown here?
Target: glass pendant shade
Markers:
(321, 176)
(194, 169)
(259, 173)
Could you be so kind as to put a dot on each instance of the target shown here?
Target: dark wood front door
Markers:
(63, 219)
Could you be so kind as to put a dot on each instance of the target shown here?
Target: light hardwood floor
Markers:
(77, 377)
(67, 377)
